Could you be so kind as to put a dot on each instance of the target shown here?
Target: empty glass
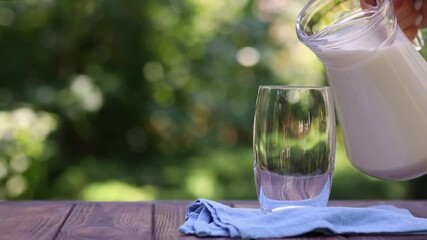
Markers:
(293, 146)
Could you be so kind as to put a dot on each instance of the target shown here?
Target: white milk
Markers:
(381, 98)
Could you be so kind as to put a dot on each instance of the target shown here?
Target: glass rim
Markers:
(293, 87)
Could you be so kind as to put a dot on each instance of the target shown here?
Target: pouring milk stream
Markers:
(379, 81)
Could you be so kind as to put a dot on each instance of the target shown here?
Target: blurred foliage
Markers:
(154, 99)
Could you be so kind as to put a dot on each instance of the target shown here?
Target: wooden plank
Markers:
(135, 220)
(407, 237)
(96, 220)
(32, 220)
(169, 215)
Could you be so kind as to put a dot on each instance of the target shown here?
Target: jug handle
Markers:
(418, 41)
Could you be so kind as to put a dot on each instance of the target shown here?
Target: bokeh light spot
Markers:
(163, 94)
(16, 185)
(89, 95)
(248, 56)
(24, 117)
(201, 183)
(3, 169)
(153, 71)
(19, 163)
(160, 122)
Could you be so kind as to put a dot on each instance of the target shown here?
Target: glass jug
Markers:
(379, 81)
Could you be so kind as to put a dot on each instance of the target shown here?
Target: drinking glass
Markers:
(293, 146)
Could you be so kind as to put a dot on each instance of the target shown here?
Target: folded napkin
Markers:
(209, 218)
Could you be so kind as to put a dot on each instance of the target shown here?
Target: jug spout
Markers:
(379, 82)
(328, 24)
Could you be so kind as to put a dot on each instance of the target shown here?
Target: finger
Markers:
(424, 11)
(397, 3)
(418, 4)
(405, 9)
(419, 20)
(413, 19)
(411, 32)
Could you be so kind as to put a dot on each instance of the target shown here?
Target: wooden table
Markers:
(132, 220)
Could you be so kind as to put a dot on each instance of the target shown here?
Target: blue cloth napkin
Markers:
(210, 218)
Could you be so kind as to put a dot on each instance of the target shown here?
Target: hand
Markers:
(411, 16)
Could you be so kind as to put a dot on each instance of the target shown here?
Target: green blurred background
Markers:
(149, 99)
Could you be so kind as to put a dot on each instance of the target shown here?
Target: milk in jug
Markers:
(379, 83)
